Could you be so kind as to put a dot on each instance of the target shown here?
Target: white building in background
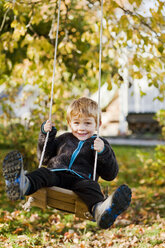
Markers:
(137, 108)
(125, 105)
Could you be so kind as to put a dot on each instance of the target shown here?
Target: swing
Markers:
(56, 197)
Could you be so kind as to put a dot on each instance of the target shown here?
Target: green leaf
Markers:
(160, 98)
(142, 93)
(155, 83)
(161, 49)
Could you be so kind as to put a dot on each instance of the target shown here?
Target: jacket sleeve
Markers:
(107, 166)
(50, 150)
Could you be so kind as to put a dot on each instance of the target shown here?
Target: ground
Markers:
(142, 225)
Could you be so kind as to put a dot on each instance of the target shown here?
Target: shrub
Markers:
(22, 138)
(154, 168)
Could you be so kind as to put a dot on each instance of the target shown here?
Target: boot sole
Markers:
(12, 165)
(120, 202)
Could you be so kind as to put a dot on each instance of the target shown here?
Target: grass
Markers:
(142, 225)
(131, 170)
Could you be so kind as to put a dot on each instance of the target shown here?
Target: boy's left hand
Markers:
(98, 145)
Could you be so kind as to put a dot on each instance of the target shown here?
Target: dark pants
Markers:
(89, 191)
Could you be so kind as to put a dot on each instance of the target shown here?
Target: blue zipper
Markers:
(75, 153)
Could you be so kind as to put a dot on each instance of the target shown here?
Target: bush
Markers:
(154, 167)
(22, 138)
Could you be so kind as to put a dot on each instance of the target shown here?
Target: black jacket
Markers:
(67, 153)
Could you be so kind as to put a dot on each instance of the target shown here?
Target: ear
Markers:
(69, 126)
(69, 123)
(99, 124)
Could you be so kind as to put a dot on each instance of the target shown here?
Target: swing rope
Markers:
(99, 89)
(30, 200)
(53, 82)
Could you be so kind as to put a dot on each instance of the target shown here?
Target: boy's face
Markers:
(82, 127)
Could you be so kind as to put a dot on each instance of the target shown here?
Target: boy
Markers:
(70, 161)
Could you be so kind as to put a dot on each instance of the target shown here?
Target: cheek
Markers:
(71, 126)
(93, 128)
(74, 127)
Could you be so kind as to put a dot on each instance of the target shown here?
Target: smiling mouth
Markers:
(82, 134)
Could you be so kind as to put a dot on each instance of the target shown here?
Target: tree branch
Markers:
(4, 19)
(126, 11)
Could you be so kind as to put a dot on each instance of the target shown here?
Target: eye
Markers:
(76, 122)
(88, 123)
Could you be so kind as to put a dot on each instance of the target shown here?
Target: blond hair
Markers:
(83, 107)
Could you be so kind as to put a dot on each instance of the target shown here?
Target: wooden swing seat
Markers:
(61, 199)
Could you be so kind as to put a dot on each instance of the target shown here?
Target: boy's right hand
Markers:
(48, 126)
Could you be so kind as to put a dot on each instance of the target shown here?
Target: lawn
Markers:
(142, 225)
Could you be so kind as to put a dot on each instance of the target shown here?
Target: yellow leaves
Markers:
(31, 52)
(18, 230)
(138, 2)
(82, 245)
(8, 5)
(137, 75)
(27, 40)
(8, 44)
(66, 75)
(3, 239)
(37, 49)
(131, 1)
(69, 47)
(116, 79)
(142, 93)
(30, 227)
(80, 71)
(129, 34)
(72, 236)
(109, 84)
(124, 22)
(162, 37)
(2, 63)
(14, 24)
(93, 38)
(66, 48)
(19, 30)
(162, 88)
(111, 5)
(59, 227)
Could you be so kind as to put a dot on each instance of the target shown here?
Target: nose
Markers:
(81, 126)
